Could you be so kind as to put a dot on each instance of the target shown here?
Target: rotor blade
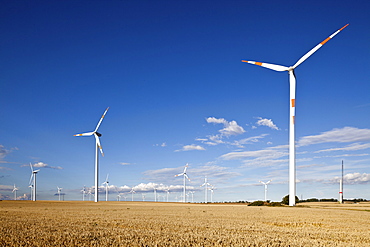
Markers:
(98, 143)
(187, 176)
(179, 174)
(313, 50)
(31, 167)
(85, 134)
(106, 180)
(268, 65)
(186, 167)
(31, 179)
(101, 119)
(268, 182)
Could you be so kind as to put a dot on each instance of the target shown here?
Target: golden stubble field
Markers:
(46, 223)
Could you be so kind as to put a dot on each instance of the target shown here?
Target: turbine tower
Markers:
(59, 190)
(265, 184)
(341, 187)
(185, 177)
(15, 192)
(106, 182)
(205, 189)
(292, 80)
(97, 135)
(33, 181)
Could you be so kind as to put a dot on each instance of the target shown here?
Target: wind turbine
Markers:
(185, 177)
(192, 196)
(155, 193)
(292, 81)
(265, 188)
(98, 146)
(205, 189)
(168, 192)
(33, 180)
(212, 190)
(106, 182)
(132, 194)
(31, 194)
(83, 193)
(15, 192)
(59, 190)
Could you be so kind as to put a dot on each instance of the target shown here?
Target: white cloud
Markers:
(249, 140)
(346, 134)
(230, 128)
(6, 187)
(43, 165)
(353, 178)
(190, 148)
(125, 164)
(351, 147)
(263, 154)
(267, 122)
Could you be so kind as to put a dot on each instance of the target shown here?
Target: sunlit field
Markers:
(45, 223)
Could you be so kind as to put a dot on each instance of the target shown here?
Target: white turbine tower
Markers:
(155, 194)
(132, 194)
(15, 192)
(33, 181)
(98, 146)
(167, 192)
(205, 189)
(212, 189)
(185, 177)
(31, 192)
(192, 196)
(59, 190)
(106, 182)
(292, 81)
(83, 193)
(265, 184)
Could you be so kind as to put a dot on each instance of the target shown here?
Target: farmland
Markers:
(50, 223)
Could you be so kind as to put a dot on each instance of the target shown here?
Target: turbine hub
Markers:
(98, 134)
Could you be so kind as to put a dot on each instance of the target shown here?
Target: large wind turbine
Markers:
(106, 182)
(33, 180)
(59, 190)
(98, 146)
(185, 177)
(205, 189)
(265, 184)
(15, 192)
(292, 81)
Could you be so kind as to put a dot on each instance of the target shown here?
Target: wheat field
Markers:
(51, 223)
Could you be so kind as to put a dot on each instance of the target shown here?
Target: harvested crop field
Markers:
(45, 223)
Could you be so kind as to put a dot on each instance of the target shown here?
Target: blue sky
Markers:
(178, 93)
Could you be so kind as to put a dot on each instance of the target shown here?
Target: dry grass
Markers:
(46, 223)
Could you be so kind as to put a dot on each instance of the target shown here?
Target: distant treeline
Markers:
(333, 200)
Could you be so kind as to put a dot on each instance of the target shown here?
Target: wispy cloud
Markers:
(346, 134)
(267, 122)
(351, 147)
(190, 148)
(125, 164)
(44, 165)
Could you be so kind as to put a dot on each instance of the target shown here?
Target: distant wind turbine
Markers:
(15, 192)
(292, 81)
(106, 182)
(168, 192)
(265, 188)
(83, 193)
(206, 184)
(97, 135)
(132, 194)
(59, 190)
(185, 177)
(33, 181)
(212, 189)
